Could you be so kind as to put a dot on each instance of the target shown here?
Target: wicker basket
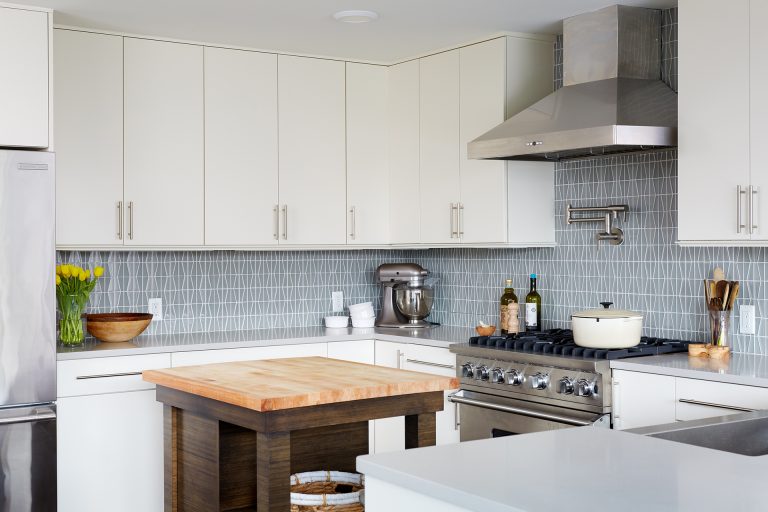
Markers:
(327, 491)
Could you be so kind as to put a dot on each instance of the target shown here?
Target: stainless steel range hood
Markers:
(612, 100)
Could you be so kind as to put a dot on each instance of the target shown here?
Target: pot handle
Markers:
(606, 305)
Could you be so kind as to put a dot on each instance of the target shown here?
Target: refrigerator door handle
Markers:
(27, 418)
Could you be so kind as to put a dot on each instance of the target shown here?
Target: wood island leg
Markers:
(420, 430)
(170, 459)
(273, 472)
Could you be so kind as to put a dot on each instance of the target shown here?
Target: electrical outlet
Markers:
(747, 319)
(338, 302)
(155, 307)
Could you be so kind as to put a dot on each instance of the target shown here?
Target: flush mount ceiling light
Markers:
(356, 16)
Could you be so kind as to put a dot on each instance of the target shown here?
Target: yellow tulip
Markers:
(75, 270)
(82, 276)
(66, 270)
(87, 274)
(58, 280)
(98, 271)
(58, 270)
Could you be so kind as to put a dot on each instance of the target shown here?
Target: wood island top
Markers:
(276, 384)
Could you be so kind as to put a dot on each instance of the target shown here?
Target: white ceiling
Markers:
(405, 28)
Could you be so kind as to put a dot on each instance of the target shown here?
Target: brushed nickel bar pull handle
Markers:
(119, 220)
(352, 228)
(460, 215)
(130, 220)
(456, 422)
(285, 222)
(739, 224)
(753, 198)
(28, 418)
(400, 355)
(453, 231)
(717, 406)
(107, 375)
(276, 218)
(428, 363)
(456, 398)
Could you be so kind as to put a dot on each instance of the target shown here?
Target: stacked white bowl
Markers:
(362, 314)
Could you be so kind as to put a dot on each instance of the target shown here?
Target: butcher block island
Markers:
(235, 432)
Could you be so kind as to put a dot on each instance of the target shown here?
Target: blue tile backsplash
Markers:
(220, 290)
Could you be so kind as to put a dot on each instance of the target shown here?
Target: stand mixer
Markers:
(406, 299)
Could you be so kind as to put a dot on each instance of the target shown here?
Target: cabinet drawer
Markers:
(249, 354)
(107, 374)
(716, 399)
(435, 360)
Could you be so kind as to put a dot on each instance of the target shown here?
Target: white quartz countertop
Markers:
(439, 336)
(747, 369)
(577, 469)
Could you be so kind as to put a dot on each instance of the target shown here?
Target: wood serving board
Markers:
(276, 384)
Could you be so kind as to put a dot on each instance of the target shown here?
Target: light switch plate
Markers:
(338, 302)
(747, 319)
(155, 307)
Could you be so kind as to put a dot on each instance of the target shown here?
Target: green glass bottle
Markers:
(533, 308)
(509, 317)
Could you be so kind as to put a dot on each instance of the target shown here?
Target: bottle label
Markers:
(531, 311)
(504, 317)
(509, 321)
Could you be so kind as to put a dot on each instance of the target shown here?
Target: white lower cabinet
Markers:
(248, 354)
(358, 352)
(697, 399)
(390, 432)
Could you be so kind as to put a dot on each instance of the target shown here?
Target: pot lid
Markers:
(606, 312)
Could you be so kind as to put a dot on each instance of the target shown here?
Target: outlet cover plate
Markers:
(155, 306)
(338, 302)
(747, 319)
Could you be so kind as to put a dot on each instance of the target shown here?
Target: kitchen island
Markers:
(280, 417)
(576, 469)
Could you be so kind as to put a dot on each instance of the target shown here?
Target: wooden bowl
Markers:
(116, 327)
(485, 330)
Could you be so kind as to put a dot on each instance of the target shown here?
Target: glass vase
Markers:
(71, 323)
(720, 324)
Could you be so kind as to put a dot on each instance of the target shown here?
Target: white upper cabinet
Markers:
(367, 169)
(163, 143)
(403, 118)
(758, 104)
(241, 173)
(482, 81)
(24, 79)
(439, 159)
(311, 111)
(88, 123)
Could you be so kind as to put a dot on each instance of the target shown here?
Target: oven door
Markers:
(484, 416)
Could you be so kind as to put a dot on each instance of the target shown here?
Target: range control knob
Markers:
(468, 370)
(482, 372)
(587, 388)
(565, 386)
(497, 376)
(515, 377)
(539, 380)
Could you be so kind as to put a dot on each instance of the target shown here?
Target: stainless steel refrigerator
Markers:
(27, 332)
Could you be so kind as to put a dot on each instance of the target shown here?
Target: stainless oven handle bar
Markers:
(717, 406)
(28, 418)
(456, 398)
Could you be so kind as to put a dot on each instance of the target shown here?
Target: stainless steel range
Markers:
(538, 381)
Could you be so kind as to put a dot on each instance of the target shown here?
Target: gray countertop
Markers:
(577, 469)
(747, 369)
(440, 336)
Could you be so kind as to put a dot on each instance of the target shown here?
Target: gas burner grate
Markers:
(560, 342)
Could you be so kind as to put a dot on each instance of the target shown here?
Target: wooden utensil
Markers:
(720, 290)
(732, 295)
(707, 294)
(718, 275)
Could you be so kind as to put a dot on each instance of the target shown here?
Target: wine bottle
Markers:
(509, 321)
(533, 308)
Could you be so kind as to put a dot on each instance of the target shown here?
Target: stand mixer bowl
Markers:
(414, 302)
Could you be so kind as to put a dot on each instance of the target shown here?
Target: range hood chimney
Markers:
(612, 99)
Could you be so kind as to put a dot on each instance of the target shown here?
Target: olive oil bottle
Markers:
(533, 308)
(509, 317)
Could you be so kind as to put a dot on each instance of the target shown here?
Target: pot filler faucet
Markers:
(609, 216)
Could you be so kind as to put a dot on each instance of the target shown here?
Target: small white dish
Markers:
(362, 308)
(336, 322)
(363, 322)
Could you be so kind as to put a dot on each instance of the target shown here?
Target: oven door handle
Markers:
(458, 399)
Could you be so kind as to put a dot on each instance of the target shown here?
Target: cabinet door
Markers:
(163, 143)
(713, 121)
(709, 395)
(438, 361)
(404, 196)
(483, 182)
(248, 354)
(758, 75)
(367, 169)
(88, 126)
(642, 399)
(105, 442)
(240, 147)
(24, 83)
(312, 151)
(358, 352)
(390, 432)
(439, 159)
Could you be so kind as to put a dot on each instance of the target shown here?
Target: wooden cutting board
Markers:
(275, 384)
